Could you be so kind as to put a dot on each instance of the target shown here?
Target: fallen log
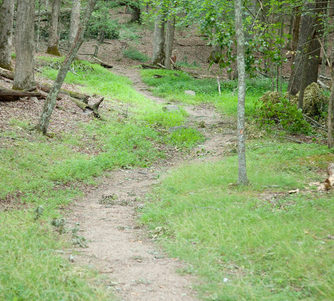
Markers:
(85, 107)
(45, 87)
(102, 63)
(12, 95)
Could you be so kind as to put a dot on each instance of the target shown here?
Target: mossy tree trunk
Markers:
(6, 33)
(52, 97)
(24, 46)
(75, 21)
(243, 180)
(53, 29)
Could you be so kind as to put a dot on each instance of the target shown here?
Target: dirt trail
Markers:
(117, 246)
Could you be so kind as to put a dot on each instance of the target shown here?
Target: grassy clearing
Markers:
(47, 172)
(242, 245)
(173, 84)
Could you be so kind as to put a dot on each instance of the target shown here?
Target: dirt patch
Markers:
(118, 247)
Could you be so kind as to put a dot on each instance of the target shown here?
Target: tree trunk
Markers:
(24, 46)
(241, 92)
(331, 106)
(135, 13)
(52, 97)
(75, 21)
(295, 29)
(6, 30)
(159, 40)
(308, 51)
(169, 41)
(53, 29)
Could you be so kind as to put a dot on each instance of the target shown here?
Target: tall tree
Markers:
(24, 46)
(331, 105)
(240, 36)
(159, 40)
(307, 59)
(51, 100)
(75, 21)
(6, 29)
(53, 29)
(169, 41)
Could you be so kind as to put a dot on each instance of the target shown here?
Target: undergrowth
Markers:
(257, 242)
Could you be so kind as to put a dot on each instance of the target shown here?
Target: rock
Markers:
(190, 92)
(171, 108)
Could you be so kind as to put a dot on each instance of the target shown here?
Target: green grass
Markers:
(30, 268)
(173, 84)
(135, 54)
(274, 249)
(48, 172)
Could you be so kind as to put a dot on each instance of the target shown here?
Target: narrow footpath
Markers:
(117, 246)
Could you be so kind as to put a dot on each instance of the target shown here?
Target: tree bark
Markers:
(169, 41)
(53, 29)
(308, 50)
(24, 46)
(159, 40)
(75, 21)
(52, 97)
(242, 174)
(330, 139)
(6, 33)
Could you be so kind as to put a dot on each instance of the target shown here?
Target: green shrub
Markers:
(283, 113)
(101, 26)
(134, 54)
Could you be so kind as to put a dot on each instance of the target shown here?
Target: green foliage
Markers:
(135, 54)
(256, 242)
(101, 26)
(283, 113)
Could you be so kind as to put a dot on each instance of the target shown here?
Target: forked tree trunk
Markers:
(53, 29)
(6, 33)
(75, 21)
(24, 46)
(169, 41)
(242, 174)
(52, 97)
(159, 40)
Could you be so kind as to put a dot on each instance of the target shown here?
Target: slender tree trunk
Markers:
(243, 180)
(53, 29)
(169, 41)
(75, 21)
(51, 100)
(331, 106)
(159, 40)
(6, 33)
(24, 46)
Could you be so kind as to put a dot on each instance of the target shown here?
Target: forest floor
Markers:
(117, 245)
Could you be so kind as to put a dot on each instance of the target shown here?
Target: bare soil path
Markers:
(117, 246)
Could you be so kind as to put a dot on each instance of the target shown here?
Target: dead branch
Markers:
(12, 95)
